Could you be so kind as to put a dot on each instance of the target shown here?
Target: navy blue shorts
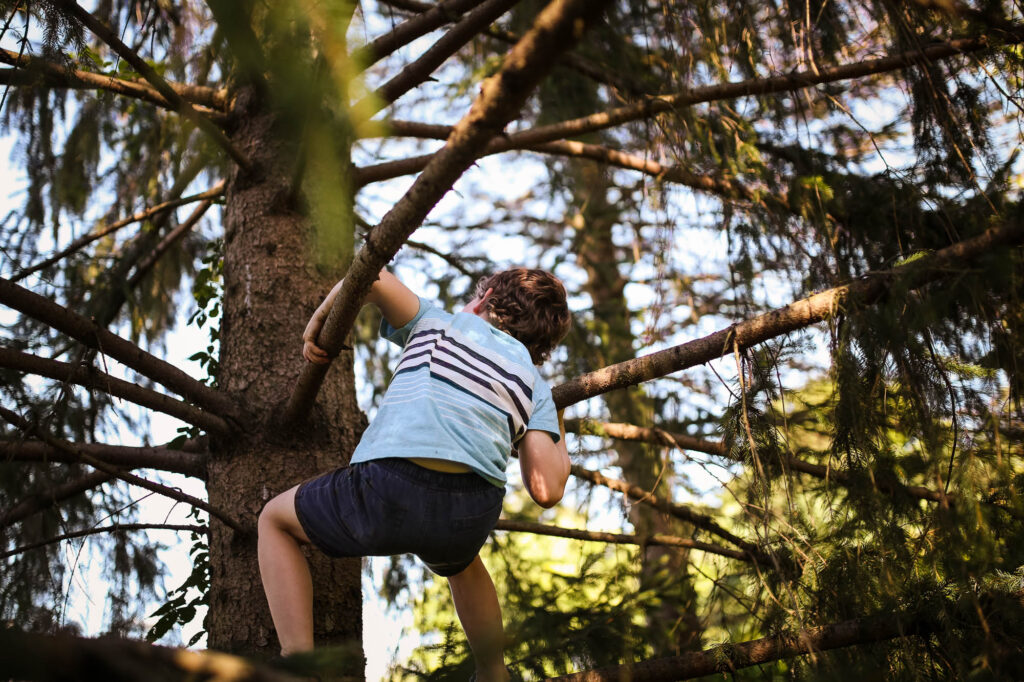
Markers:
(393, 506)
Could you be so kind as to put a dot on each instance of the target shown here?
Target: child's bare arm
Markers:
(396, 301)
(545, 465)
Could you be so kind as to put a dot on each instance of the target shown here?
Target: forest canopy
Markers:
(791, 236)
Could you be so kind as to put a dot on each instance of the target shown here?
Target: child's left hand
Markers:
(314, 353)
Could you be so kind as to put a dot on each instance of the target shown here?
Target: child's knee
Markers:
(272, 514)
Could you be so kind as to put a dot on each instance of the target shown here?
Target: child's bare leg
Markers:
(285, 573)
(476, 602)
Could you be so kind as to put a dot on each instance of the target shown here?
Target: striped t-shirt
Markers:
(463, 392)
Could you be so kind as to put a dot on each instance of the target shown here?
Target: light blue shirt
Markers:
(464, 391)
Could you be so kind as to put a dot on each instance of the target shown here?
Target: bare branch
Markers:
(653, 106)
(797, 315)
(450, 43)
(680, 511)
(33, 71)
(502, 96)
(169, 240)
(122, 350)
(90, 377)
(156, 80)
(684, 442)
(432, 17)
(188, 460)
(212, 193)
(116, 528)
(30, 429)
(37, 502)
(616, 538)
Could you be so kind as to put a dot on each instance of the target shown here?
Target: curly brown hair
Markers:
(528, 304)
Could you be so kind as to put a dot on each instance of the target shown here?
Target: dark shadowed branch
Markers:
(87, 332)
(189, 460)
(728, 658)
(557, 27)
(90, 377)
(169, 240)
(32, 430)
(680, 511)
(156, 80)
(653, 106)
(432, 17)
(682, 441)
(44, 499)
(86, 239)
(451, 42)
(116, 528)
(34, 71)
(50, 658)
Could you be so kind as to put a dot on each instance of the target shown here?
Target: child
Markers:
(428, 475)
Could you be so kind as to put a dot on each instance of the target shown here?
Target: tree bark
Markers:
(271, 286)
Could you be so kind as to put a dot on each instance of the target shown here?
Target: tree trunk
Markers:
(271, 287)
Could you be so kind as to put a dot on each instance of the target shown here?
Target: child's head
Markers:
(529, 305)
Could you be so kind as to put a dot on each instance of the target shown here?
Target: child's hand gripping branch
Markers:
(397, 303)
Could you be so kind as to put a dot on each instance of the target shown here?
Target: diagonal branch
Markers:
(451, 42)
(617, 538)
(432, 17)
(116, 528)
(653, 106)
(728, 658)
(86, 239)
(32, 70)
(805, 312)
(186, 461)
(156, 80)
(683, 441)
(169, 240)
(557, 27)
(90, 377)
(87, 332)
(38, 501)
(680, 511)
(31, 429)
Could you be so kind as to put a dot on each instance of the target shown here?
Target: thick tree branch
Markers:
(451, 42)
(86, 239)
(31, 70)
(30, 429)
(864, 291)
(49, 658)
(187, 461)
(616, 538)
(116, 528)
(156, 80)
(728, 658)
(122, 350)
(680, 511)
(44, 499)
(90, 377)
(557, 27)
(432, 17)
(653, 106)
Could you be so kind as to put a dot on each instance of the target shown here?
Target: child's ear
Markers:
(481, 304)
